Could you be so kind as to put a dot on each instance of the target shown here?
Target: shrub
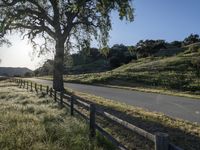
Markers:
(114, 61)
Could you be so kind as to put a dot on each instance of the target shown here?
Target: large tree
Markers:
(65, 23)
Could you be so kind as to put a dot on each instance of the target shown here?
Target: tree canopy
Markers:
(71, 19)
(192, 38)
(149, 47)
(65, 23)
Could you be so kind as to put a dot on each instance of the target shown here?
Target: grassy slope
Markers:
(28, 121)
(162, 74)
(97, 66)
(169, 75)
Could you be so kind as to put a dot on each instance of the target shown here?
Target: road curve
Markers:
(174, 106)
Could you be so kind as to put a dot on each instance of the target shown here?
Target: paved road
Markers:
(179, 107)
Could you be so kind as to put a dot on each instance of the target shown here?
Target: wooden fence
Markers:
(161, 140)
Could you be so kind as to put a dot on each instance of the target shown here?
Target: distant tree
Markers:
(89, 55)
(149, 47)
(132, 50)
(95, 53)
(64, 23)
(28, 74)
(114, 61)
(45, 69)
(119, 54)
(192, 38)
(177, 44)
(36, 72)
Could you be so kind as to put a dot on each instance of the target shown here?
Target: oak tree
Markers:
(65, 23)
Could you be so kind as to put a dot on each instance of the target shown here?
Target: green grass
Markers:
(29, 121)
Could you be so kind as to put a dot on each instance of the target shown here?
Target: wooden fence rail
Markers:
(161, 140)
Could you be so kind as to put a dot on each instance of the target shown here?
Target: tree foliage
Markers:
(120, 54)
(149, 47)
(45, 69)
(66, 23)
(192, 38)
(177, 44)
(70, 19)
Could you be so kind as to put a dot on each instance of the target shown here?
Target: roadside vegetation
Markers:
(182, 133)
(30, 121)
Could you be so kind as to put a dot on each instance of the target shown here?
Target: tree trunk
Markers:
(58, 66)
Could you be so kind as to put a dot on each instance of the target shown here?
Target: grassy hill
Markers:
(160, 73)
(175, 72)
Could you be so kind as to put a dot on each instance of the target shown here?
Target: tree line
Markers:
(118, 54)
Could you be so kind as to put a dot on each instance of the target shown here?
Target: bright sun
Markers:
(19, 54)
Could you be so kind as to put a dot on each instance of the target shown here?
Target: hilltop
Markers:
(13, 71)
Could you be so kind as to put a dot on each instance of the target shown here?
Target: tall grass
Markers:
(29, 122)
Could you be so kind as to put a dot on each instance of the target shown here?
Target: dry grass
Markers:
(182, 133)
(29, 121)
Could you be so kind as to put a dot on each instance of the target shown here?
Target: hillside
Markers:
(11, 71)
(175, 72)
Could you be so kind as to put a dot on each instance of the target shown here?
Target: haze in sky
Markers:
(156, 19)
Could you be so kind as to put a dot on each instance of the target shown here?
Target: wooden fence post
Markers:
(36, 87)
(47, 90)
(51, 90)
(61, 98)
(92, 120)
(55, 98)
(24, 84)
(72, 105)
(27, 85)
(41, 87)
(20, 85)
(31, 86)
(161, 141)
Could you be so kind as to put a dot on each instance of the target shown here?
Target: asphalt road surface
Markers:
(174, 106)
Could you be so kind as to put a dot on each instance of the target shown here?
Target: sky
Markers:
(154, 19)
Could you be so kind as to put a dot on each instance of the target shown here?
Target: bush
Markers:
(192, 38)
(114, 61)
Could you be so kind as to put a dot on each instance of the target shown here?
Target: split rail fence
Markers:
(161, 140)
